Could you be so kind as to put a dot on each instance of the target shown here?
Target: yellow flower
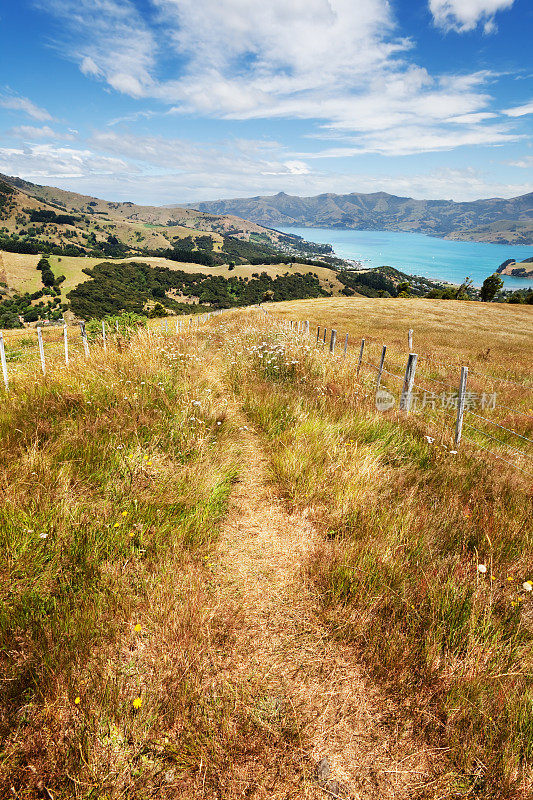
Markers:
(137, 628)
(131, 534)
(124, 513)
(513, 603)
(145, 458)
(137, 703)
(149, 463)
(509, 577)
(77, 700)
(116, 525)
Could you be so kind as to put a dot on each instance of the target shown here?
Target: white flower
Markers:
(43, 536)
(429, 440)
(481, 568)
(528, 586)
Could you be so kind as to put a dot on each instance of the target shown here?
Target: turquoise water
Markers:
(418, 254)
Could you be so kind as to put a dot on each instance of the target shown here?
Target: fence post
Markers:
(65, 340)
(41, 350)
(3, 359)
(104, 342)
(84, 338)
(410, 339)
(116, 325)
(307, 327)
(380, 369)
(405, 399)
(360, 356)
(317, 334)
(345, 345)
(460, 407)
(332, 341)
(324, 341)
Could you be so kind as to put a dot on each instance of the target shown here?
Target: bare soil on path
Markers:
(351, 743)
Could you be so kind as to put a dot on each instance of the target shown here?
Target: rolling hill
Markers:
(76, 224)
(492, 220)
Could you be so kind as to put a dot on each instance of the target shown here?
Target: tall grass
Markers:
(424, 555)
(115, 476)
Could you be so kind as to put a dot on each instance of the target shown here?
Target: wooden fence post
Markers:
(360, 356)
(307, 327)
(317, 334)
(3, 359)
(332, 341)
(410, 339)
(405, 399)
(41, 350)
(460, 407)
(65, 342)
(380, 368)
(345, 345)
(104, 342)
(84, 338)
(324, 341)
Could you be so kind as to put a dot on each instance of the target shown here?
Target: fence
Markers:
(454, 417)
(458, 419)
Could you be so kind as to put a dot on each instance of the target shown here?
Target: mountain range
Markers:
(492, 220)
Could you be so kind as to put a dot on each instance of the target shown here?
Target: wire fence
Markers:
(389, 382)
(447, 409)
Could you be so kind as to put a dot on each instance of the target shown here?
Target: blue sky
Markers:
(168, 101)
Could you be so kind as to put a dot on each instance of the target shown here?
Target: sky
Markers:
(171, 101)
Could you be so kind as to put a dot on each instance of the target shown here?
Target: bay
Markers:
(418, 254)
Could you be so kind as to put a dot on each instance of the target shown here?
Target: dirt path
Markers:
(262, 552)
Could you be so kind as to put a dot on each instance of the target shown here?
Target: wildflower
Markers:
(429, 440)
(513, 603)
(43, 536)
(145, 458)
(481, 568)
(131, 534)
(527, 585)
(137, 703)
(116, 525)
(509, 577)
(124, 513)
(77, 700)
(137, 628)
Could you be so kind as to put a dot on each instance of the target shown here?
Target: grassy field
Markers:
(162, 637)
(22, 276)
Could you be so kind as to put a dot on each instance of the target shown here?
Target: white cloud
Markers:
(156, 171)
(31, 132)
(335, 62)
(466, 15)
(524, 163)
(47, 162)
(520, 111)
(16, 103)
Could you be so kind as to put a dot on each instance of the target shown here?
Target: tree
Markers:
(491, 286)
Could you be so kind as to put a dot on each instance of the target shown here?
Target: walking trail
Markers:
(351, 744)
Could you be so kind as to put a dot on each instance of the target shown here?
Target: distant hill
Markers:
(35, 216)
(492, 220)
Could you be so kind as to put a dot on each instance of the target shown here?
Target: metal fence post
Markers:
(460, 407)
(405, 399)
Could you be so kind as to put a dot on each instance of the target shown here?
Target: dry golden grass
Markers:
(330, 604)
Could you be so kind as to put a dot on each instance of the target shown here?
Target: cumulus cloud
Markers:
(337, 63)
(16, 103)
(466, 15)
(47, 162)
